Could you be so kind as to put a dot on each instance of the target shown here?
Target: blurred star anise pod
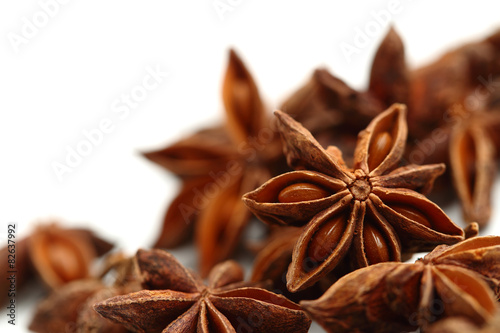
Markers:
(59, 312)
(176, 300)
(57, 255)
(217, 166)
(61, 255)
(69, 308)
(451, 281)
(371, 213)
(436, 87)
(454, 119)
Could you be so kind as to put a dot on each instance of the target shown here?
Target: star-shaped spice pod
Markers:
(178, 301)
(70, 307)
(57, 255)
(217, 167)
(451, 281)
(371, 213)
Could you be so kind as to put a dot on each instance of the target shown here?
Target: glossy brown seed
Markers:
(66, 262)
(379, 148)
(326, 239)
(412, 214)
(301, 192)
(376, 248)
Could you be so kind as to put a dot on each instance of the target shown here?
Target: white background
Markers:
(65, 78)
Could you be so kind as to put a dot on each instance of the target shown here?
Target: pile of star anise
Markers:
(341, 179)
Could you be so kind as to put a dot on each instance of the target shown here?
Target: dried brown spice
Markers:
(438, 86)
(355, 303)
(273, 257)
(472, 161)
(450, 281)
(462, 79)
(466, 76)
(217, 166)
(370, 213)
(467, 144)
(334, 112)
(89, 321)
(57, 255)
(58, 313)
(177, 301)
(69, 308)
(121, 269)
(326, 102)
(272, 261)
(60, 255)
(389, 76)
(124, 273)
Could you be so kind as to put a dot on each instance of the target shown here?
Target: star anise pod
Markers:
(69, 308)
(389, 75)
(370, 213)
(89, 321)
(176, 300)
(273, 255)
(438, 86)
(217, 166)
(61, 255)
(57, 255)
(326, 102)
(450, 281)
(58, 313)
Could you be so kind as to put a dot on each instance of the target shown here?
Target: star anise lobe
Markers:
(301, 192)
